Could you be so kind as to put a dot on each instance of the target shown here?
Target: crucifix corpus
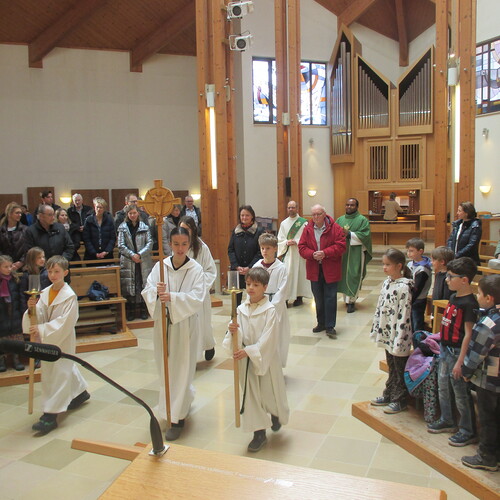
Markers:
(159, 202)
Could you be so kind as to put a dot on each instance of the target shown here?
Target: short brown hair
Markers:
(268, 239)
(490, 285)
(258, 274)
(58, 260)
(417, 243)
(443, 253)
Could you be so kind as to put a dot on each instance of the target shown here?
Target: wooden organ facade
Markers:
(382, 136)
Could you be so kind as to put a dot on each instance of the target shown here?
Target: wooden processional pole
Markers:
(159, 202)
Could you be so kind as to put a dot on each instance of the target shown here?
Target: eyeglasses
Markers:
(450, 276)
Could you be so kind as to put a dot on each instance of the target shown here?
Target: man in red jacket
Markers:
(322, 244)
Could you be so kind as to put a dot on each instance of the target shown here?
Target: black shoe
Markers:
(350, 307)
(175, 431)
(18, 366)
(276, 423)
(297, 302)
(47, 423)
(439, 426)
(258, 441)
(331, 333)
(3, 366)
(144, 312)
(209, 354)
(460, 439)
(79, 400)
(318, 328)
(130, 313)
(478, 462)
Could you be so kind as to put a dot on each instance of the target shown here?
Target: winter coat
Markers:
(97, 238)
(332, 242)
(198, 214)
(13, 243)
(74, 216)
(144, 245)
(468, 241)
(55, 241)
(10, 313)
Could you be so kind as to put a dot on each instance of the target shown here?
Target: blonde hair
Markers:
(58, 260)
(31, 257)
(100, 201)
(8, 258)
(268, 239)
(8, 210)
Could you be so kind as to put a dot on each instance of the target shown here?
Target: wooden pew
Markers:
(402, 231)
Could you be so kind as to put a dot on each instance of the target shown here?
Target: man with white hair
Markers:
(322, 244)
(288, 252)
(77, 213)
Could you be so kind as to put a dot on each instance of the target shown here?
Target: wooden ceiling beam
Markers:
(48, 39)
(327, 4)
(402, 33)
(167, 32)
(354, 11)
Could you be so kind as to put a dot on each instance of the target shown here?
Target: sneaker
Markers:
(209, 354)
(441, 426)
(258, 441)
(396, 407)
(175, 431)
(79, 400)
(297, 302)
(461, 439)
(351, 307)
(478, 462)
(18, 366)
(319, 328)
(331, 333)
(380, 401)
(46, 424)
(276, 423)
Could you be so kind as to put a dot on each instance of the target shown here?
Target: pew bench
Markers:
(393, 233)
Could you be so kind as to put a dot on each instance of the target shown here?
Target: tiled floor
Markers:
(324, 377)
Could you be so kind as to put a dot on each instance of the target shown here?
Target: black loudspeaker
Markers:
(288, 186)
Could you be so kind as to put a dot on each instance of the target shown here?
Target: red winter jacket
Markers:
(332, 242)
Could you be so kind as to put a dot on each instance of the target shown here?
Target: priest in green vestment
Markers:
(359, 252)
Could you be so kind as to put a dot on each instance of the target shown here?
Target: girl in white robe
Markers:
(183, 293)
(62, 383)
(200, 252)
(261, 376)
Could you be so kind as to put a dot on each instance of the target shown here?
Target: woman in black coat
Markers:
(12, 241)
(243, 249)
(99, 234)
(466, 233)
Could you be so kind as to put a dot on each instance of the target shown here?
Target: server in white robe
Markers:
(289, 235)
(186, 285)
(261, 375)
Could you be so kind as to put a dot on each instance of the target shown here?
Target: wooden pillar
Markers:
(441, 164)
(218, 195)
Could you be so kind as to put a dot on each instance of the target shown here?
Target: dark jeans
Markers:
(488, 406)
(395, 387)
(418, 314)
(325, 297)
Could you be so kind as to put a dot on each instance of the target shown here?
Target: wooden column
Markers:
(218, 203)
(441, 163)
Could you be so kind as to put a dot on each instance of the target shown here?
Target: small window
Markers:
(312, 95)
(488, 77)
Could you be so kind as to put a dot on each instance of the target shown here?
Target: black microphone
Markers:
(50, 352)
(45, 352)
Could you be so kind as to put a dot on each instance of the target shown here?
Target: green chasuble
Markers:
(353, 266)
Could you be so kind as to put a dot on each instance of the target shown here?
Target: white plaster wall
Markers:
(487, 150)
(85, 121)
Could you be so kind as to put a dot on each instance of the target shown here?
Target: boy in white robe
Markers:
(63, 387)
(277, 289)
(261, 375)
(183, 293)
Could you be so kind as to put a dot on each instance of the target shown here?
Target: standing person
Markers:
(63, 387)
(99, 233)
(322, 244)
(481, 366)
(193, 211)
(276, 289)
(62, 217)
(46, 198)
(26, 218)
(261, 376)
(358, 252)
(200, 252)
(391, 329)
(392, 208)
(35, 265)
(77, 214)
(12, 231)
(10, 309)
(243, 249)
(289, 235)
(49, 235)
(440, 257)
(130, 199)
(466, 233)
(134, 244)
(182, 293)
(456, 331)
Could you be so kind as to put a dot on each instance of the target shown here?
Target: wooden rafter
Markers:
(354, 11)
(49, 38)
(327, 4)
(156, 40)
(402, 33)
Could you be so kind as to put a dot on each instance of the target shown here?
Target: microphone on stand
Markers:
(51, 353)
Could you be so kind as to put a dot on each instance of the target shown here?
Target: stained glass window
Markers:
(312, 92)
(488, 77)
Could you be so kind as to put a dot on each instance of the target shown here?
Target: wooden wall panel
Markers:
(89, 194)
(5, 199)
(118, 198)
(34, 196)
(182, 193)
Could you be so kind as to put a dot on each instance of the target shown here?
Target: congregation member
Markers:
(358, 252)
(131, 199)
(49, 235)
(193, 211)
(12, 241)
(77, 214)
(466, 233)
(392, 208)
(322, 245)
(440, 257)
(46, 198)
(99, 234)
(26, 218)
(289, 235)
